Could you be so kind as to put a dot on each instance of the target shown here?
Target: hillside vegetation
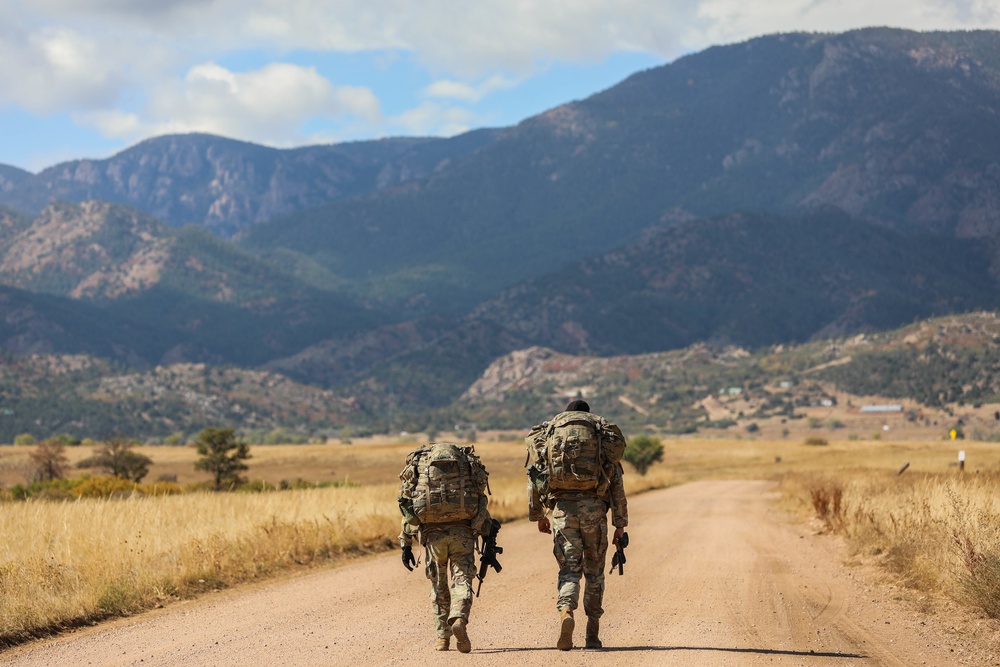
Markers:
(937, 368)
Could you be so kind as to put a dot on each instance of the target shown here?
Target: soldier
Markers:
(577, 475)
(444, 505)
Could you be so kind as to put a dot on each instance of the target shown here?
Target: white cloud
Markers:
(466, 92)
(732, 20)
(270, 105)
(135, 67)
(56, 67)
(114, 123)
(475, 39)
(455, 90)
(434, 119)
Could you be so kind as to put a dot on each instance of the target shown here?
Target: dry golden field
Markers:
(65, 563)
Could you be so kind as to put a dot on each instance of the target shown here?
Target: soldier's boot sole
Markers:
(593, 630)
(462, 642)
(566, 625)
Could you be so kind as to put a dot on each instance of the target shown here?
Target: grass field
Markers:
(66, 563)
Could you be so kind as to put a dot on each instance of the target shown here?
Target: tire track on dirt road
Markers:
(715, 576)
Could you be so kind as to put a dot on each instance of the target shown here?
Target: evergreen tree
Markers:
(222, 456)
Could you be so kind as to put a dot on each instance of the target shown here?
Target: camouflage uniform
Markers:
(448, 547)
(580, 536)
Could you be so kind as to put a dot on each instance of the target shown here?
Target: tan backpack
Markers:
(572, 452)
(442, 483)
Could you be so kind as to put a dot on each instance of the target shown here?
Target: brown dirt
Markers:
(715, 576)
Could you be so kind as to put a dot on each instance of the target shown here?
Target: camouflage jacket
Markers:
(614, 497)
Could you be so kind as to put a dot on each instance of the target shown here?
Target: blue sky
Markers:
(87, 78)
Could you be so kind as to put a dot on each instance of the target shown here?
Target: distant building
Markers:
(881, 408)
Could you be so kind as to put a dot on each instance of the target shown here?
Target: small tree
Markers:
(642, 452)
(49, 461)
(118, 459)
(222, 455)
(24, 439)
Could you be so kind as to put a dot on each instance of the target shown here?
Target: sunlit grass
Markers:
(935, 532)
(65, 563)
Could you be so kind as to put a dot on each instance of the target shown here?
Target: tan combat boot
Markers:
(593, 629)
(566, 624)
(442, 644)
(462, 642)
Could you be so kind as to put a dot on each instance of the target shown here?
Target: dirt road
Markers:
(715, 576)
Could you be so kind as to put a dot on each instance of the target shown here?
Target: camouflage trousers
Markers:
(450, 550)
(580, 534)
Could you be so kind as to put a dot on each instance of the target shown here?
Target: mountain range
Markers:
(788, 188)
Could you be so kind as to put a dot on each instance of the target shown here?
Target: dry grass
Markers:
(65, 563)
(71, 562)
(935, 532)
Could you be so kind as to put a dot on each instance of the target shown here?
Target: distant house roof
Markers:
(881, 408)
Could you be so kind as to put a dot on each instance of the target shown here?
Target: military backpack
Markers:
(442, 483)
(573, 452)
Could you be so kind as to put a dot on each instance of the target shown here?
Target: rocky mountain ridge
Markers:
(895, 128)
(226, 185)
(109, 280)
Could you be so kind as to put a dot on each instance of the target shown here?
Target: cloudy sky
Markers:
(87, 78)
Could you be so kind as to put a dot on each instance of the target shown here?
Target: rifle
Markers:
(618, 560)
(489, 551)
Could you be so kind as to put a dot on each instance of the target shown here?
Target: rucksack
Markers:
(442, 483)
(574, 450)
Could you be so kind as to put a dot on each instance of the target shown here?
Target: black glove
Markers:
(408, 560)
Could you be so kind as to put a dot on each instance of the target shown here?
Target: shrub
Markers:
(90, 487)
(117, 458)
(979, 581)
(642, 452)
(828, 503)
(176, 438)
(255, 486)
(103, 487)
(816, 442)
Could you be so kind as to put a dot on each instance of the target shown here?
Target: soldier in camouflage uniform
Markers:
(580, 533)
(449, 548)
